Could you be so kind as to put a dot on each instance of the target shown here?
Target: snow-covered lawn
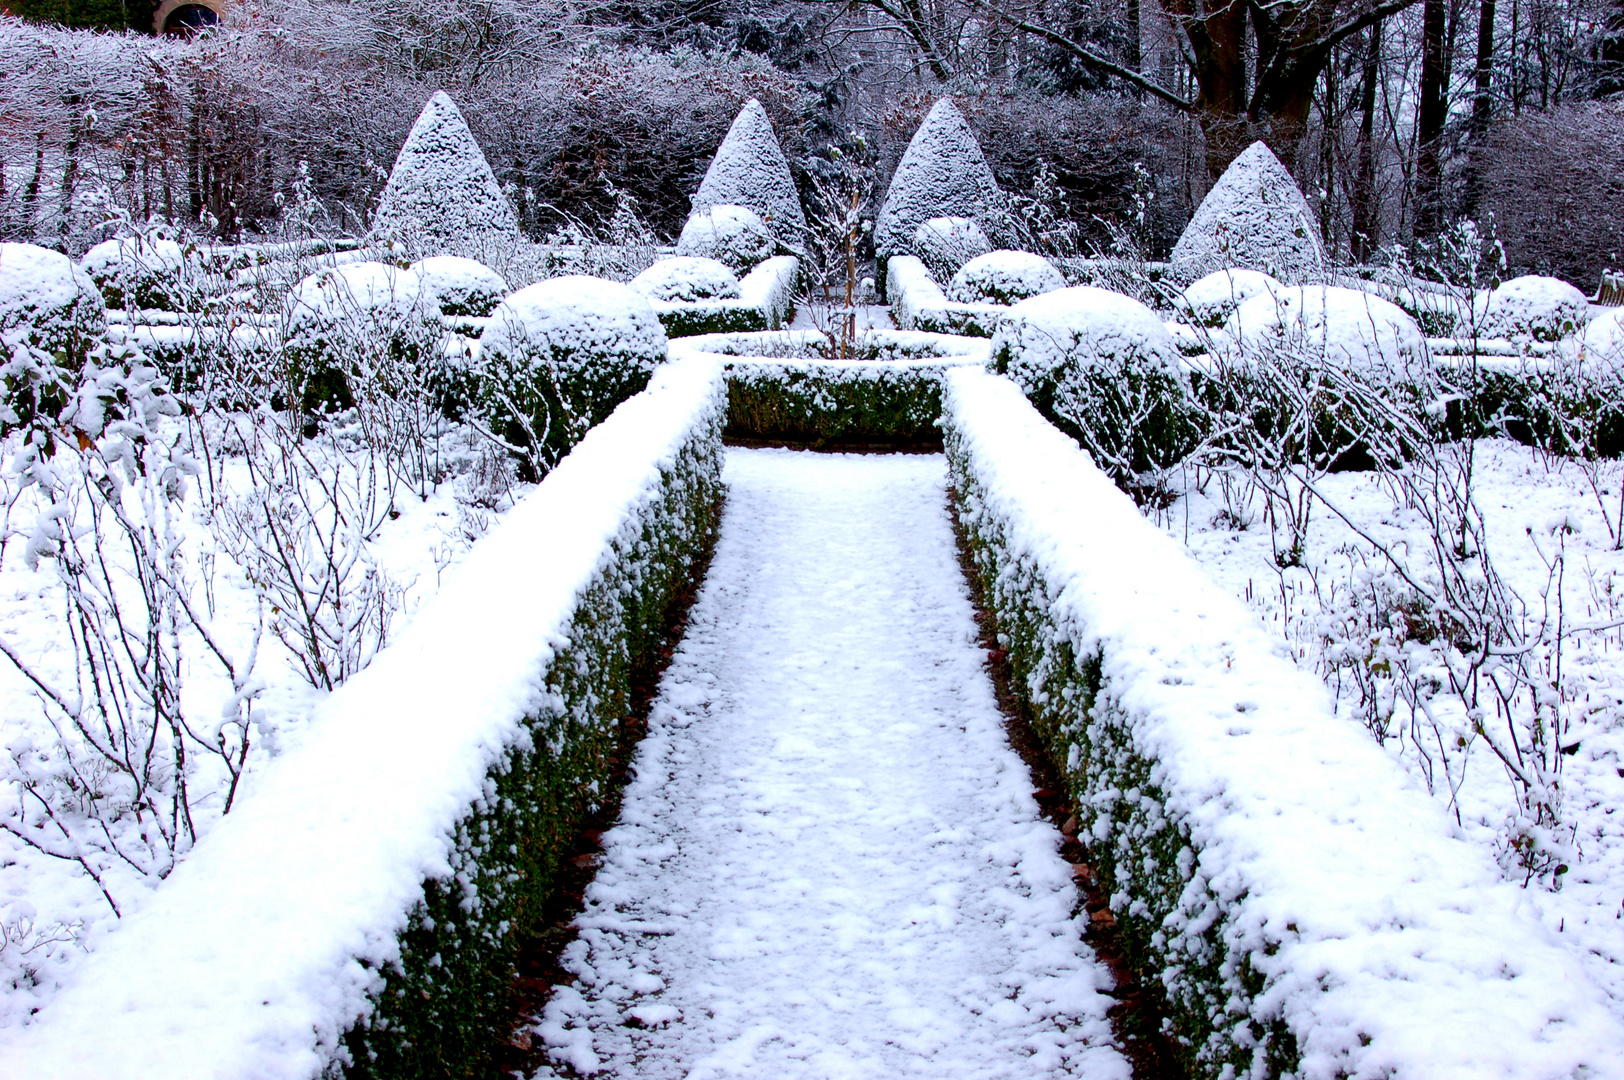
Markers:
(1536, 509)
(829, 862)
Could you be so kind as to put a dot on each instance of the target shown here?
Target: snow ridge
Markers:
(750, 170)
(942, 174)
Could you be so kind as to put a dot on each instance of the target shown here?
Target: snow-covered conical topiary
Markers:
(442, 196)
(1254, 218)
(750, 170)
(941, 174)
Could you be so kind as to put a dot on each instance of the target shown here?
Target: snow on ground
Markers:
(829, 862)
(1527, 499)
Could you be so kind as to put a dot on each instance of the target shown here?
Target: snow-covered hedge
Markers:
(918, 303)
(765, 300)
(559, 356)
(1536, 308)
(137, 272)
(463, 287)
(47, 302)
(368, 893)
(750, 170)
(944, 244)
(942, 174)
(1103, 367)
(1349, 329)
(1004, 277)
(735, 235)
(1299, 898)
(785, 388)
(1211, 300)
(1255, 218)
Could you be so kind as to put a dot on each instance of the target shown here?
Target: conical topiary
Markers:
(941, 174)
(442, 196)
(1254, 218)
(750, 170)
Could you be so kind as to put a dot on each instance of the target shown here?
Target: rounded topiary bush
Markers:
(137, 272)
(343, 322)
(734, 235)
(1345, 328)
(1604, 338)
(1004, 277)
(461, 286)
(687, 278)
(51, 317)
(1536, 308)
(1104, 369)
(944, 244)
(558, 357)
(1211, 300)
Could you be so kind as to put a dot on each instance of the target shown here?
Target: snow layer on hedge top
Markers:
(462, 286)
(687, 278)
(442, 196)
(1537, 308)
(750, 169)
(1254, 218)
(1387, 947)
(942, 174)
(260, 949)
(46, 301)
(1350, 328)
(1004, 277)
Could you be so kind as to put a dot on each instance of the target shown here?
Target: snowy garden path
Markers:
(829, 862)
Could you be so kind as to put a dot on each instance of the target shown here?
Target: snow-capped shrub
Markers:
(944, 244)
(51, 317)
(352, 315)
(1536, 308)
(1604, 338)
(1104, 369)
(734, 235)
(750, 170)
(1254, 218)
(1345, 328)
(460, 285)
(942, 174)
(442, 196)
(1211, 300)
(687, 278)
(137, 272)
(1004, 277)
(558, 357)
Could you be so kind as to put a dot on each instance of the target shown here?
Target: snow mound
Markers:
(1104, 369)
(462, 286)
(942, 174)
(1211, 300)
(355, 314)
(1004, 277)
(137, 272)
(441, 195)
(944, 244)
(1604, 338)
(1254, 218)
(559, 355)
(735, 235)
(687, 278)
(1350, 329)
(750, 169)
(1536, 308)
(46, 301)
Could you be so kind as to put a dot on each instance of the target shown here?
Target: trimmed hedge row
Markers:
(918, 303)
(1301, 902)
(766, 302)
(358, 913)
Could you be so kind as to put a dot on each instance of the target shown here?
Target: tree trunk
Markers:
(1366, 225)
(1430, 120)
(1482, 104)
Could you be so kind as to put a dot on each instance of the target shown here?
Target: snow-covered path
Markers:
(829, 862)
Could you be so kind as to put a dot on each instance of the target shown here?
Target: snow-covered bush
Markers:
(1104, 369)
(1307, 908)
(918, 303)
(944, 244)
(1211, 300)
(750, 170)
(141, 272)
(942, 174)
(350, 315)
(687, 278)
(51, 318)
(734, 235)
(461, 286)
(1004, 277)
(1604, 338)
(442, 196)
(1254, 218)
(1536, 308)
(1344, 328)
(557, 358)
